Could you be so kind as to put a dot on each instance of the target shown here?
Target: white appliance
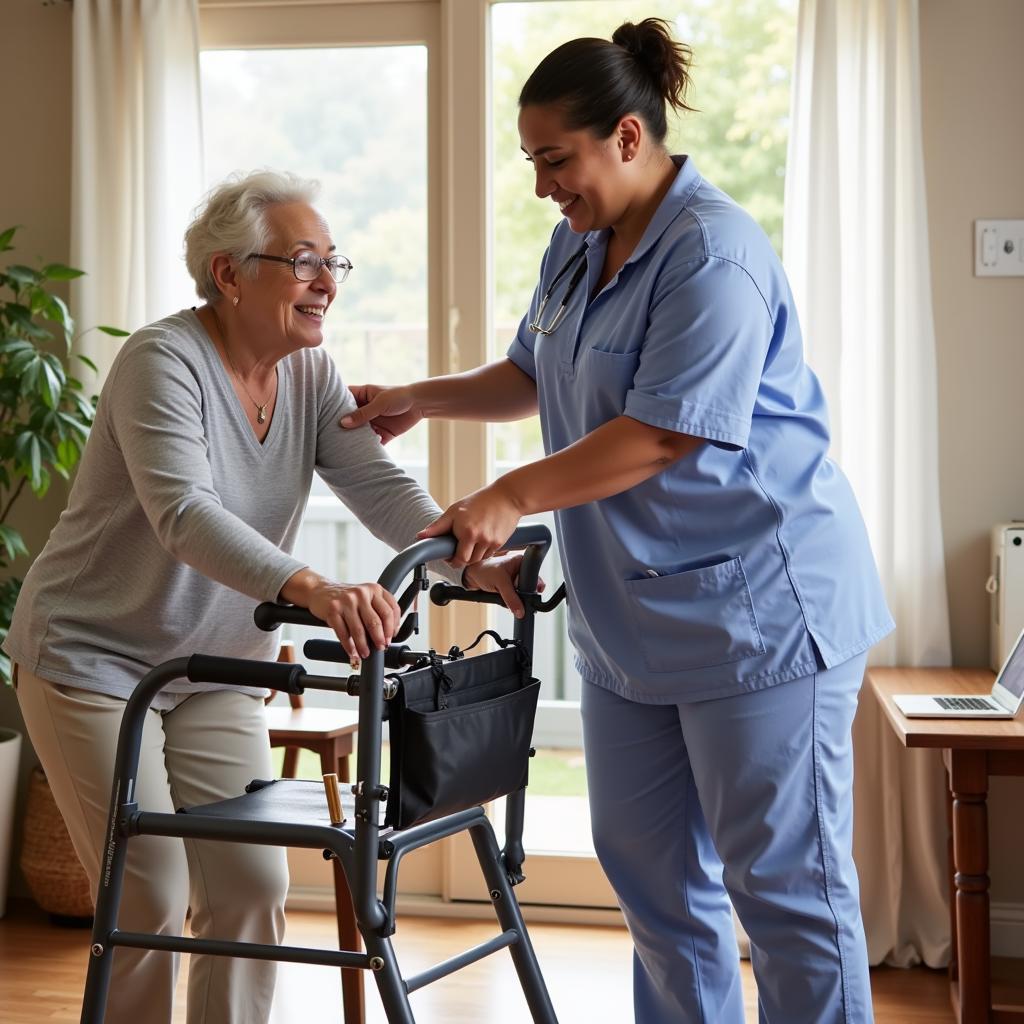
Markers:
(1006, 587)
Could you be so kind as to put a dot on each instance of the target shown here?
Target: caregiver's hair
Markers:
(596, 83)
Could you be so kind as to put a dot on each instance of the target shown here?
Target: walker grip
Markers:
(444, 593)
(207, 668)
(269, 615)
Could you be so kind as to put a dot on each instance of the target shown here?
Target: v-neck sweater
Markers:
(180, 521)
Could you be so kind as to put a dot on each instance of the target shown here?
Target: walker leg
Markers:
(393, 994)
(108, 903)
(506, 907)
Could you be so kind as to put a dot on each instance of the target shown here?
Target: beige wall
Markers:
(973, 92)
(35, 192)
(973, 85)
(35, 170)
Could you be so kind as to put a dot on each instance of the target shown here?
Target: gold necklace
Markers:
(261, 407)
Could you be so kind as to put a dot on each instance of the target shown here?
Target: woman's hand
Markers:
(500, 576)
(389, 411)
(482, 522)
(360, 614)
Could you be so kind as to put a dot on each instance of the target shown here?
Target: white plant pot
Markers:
(10, 751)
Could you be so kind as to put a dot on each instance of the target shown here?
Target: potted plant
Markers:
(45, 418)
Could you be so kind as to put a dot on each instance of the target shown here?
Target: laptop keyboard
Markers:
(966, 704)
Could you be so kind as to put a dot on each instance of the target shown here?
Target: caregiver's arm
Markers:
(496, 392)
(611, 459)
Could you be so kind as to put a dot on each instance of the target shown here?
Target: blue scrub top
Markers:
(746, 563)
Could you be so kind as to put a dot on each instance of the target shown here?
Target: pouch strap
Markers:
(501, 641)
(442, 681)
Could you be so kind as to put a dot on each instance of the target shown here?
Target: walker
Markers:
(460, 733)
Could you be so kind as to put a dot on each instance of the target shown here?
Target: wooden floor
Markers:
(587, 970)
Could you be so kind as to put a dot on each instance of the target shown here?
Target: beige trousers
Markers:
(206, 749)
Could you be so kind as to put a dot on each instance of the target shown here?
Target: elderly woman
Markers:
(184, 511)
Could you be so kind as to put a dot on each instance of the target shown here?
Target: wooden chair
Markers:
(329, 733)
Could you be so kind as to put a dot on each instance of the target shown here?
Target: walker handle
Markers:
(271, 675)
(270, 614)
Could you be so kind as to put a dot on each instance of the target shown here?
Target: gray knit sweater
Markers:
(180, 521)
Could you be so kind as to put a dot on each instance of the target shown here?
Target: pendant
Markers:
(261, 414)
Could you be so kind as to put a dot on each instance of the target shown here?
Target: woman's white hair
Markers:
(231, 220)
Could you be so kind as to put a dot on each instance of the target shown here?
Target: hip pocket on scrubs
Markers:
(695, 619)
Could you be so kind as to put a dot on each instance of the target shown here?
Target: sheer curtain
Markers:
(136, 162)
(856, 250)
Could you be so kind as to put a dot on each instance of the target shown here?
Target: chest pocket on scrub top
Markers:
(698, 618)
(603, 378)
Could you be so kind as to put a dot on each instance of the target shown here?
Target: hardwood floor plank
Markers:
(588, 971)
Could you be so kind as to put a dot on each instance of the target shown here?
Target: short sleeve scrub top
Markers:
(746, 563)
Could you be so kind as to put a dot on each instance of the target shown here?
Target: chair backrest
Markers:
(287, 654)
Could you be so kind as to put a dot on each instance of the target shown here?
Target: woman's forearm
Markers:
(496, 392)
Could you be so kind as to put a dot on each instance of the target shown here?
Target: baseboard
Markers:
(1007, 929)
(318, 898)
(1007, 918)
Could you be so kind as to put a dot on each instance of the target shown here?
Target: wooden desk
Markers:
(983, 991)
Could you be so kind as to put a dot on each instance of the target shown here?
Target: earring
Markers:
(234, 301)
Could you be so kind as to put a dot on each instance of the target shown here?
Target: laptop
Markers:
(1004, 701)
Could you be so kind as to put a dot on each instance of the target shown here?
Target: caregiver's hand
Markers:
(482, 522)
(389, 411)
(500, 575)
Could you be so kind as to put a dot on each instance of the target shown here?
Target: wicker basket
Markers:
(54, 874)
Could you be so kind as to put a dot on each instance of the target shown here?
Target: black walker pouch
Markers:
(460, 733)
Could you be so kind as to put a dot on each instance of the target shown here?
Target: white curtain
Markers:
(856, 250)
(136, 162)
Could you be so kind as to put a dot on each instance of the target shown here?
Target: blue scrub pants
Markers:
(762, 784)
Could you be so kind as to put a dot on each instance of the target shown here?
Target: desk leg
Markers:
(968, 783)
(953, 972)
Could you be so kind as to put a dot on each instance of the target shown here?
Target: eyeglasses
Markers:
(536, 327)
(306, 266)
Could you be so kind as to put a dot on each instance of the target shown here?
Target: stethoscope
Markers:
(535, 327)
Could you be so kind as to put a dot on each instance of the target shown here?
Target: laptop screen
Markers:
(1012, 675)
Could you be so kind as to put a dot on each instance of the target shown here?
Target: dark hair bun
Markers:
(667, 62)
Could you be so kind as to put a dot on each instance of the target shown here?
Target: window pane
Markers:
(354, 118)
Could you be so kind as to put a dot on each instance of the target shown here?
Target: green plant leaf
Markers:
(22, 274)
(10, 346)
(40, 489)
(60, 272)
(11, 542)
(30, 376)
(68, 453)
(88, 362)
(20, 318)
(114, 332)
(22, 359)
(5, 239)
(84, 406)
(50, 385)
(56, 309)
(29, 453)
(74, 423)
